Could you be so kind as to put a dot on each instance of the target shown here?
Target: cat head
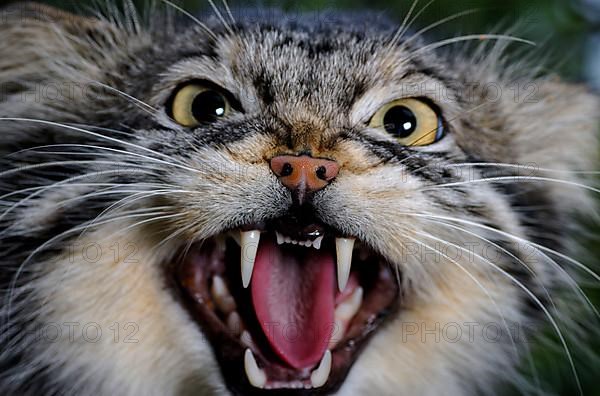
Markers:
(276, 203)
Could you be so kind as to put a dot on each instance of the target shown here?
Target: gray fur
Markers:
(304, 83)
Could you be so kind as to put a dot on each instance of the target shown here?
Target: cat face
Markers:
(276, 206)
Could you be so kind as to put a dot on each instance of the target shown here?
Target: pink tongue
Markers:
(294, 300)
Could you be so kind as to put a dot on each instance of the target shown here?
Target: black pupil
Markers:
(400, 121)
(208, 106)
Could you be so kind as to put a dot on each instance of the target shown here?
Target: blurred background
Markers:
(569, 33)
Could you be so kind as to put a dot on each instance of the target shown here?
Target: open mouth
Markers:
(287, 305)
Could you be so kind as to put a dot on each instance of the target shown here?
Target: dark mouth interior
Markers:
(292, 314)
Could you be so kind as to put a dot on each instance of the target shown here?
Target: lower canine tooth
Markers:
(346, 310)
(249, 245)
(221, 295)
(344, 313)
(343, 248)
(319, 377)
(256, 376)
(234, 322)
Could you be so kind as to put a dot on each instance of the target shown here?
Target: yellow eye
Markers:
(196, 104)
(411, 121)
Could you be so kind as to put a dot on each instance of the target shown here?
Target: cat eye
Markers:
(196, 104)
(412, 121)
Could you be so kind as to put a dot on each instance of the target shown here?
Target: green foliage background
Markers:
(565, 28)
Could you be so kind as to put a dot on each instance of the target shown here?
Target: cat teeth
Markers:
(221, 295)
(256, 376)
(247, 339)
(281, 239)
(234, 322)
(344, 313)
(343, 248)
(317, 243)
(347, 309)
(249, 241)
(319, 377)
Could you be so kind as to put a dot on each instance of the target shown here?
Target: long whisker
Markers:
(439, 23)
(511, 179)
(520, 166)
(166, 217)
(37, 188)
(133, 134)
(228, 10)
(405, 22)
(79, 162)
(48, 243)
(475, 280)
(510, 236)
(139, 103)
(193, 18)
(130, 200)
(470, 37)
(567, 276)
(114, 140)
(220, 16)
(534, 298)
(174, 235)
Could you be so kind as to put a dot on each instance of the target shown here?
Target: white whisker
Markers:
(139, 103)
(125, 143)
(470, 37)
(534, 298)
(193, 18)
(511, 236)
(220, 16)
(511, 179)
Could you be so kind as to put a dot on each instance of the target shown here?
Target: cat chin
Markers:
(160, 350)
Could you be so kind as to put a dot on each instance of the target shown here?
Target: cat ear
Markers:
(43, 41)
(53, 65)
(557, 128)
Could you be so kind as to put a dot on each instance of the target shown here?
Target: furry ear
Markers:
(42, 43)
(51, 64)
(547, 131)
(558, 129)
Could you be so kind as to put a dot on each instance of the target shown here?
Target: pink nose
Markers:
(303, 173)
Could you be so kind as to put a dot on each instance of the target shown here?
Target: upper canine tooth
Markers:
(249, 244)
(280, 238)
(317, 242)
(343, 248)
(319, 377)
(256, 376)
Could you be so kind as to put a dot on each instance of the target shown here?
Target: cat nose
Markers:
(302, 174)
